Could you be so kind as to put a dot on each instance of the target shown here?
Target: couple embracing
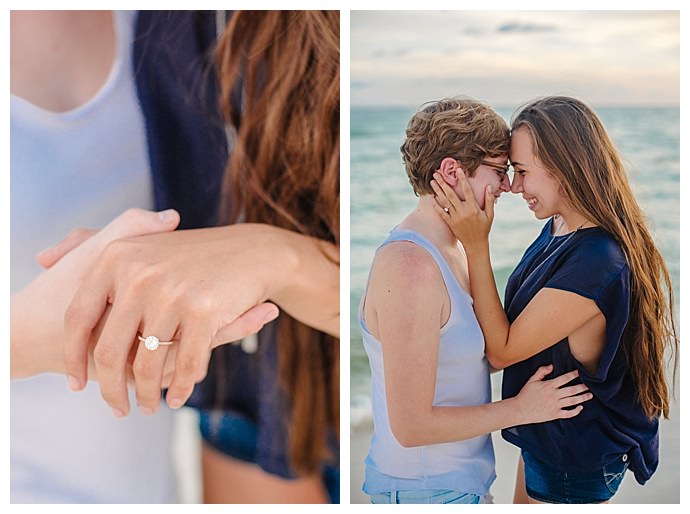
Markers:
(581, 335)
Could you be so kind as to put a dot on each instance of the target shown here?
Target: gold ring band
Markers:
(152, 342)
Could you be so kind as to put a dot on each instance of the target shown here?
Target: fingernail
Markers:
(73, 383)
(175, 403)
(166, 216)
(491, 190)
(146, 411)
(117, 413)
(271, 316)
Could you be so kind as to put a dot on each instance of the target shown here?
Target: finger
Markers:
(112, 351)
(489, 203)
(441, 197)
(48, 257)
(247, 324)
(149, 365)
(564, 392)
(88, 304)
(195, 341)
(138, 222)
(448, 193)
(575, 400)
(440, 210)
(83, 314)
(466, 189)
(562, 380)
(570, 413)
(541, 373)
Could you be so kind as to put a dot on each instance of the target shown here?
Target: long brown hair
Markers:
(285, 171)
(571, 142)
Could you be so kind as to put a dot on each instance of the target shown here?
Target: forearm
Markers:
(309, 288)
(32, 352)
(448, 424)
(487, 304)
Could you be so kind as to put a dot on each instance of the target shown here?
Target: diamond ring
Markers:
(152, 342)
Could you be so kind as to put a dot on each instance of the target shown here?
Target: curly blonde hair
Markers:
(460, 127)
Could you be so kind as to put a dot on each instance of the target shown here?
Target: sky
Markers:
(507, 57)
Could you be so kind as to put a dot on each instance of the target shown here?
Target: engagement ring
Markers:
(152, 342)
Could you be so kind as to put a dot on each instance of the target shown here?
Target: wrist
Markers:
(519, 415)
(477, 249)
(273, 254)
(32, 352)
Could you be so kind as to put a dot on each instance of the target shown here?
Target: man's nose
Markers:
(505, 183)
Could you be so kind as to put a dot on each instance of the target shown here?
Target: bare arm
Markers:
(549, 317)
(311, 288)
(405, 300)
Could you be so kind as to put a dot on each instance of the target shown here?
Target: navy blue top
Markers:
(179, 95)
(589, 263)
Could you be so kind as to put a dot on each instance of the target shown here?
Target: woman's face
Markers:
(539, 189)
(486, 175)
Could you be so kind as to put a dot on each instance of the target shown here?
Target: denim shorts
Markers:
(425, 496)
(236, 436)
(549, 485)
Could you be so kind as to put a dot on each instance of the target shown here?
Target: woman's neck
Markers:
(568, 221)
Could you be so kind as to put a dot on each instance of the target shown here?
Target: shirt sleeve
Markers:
(597, 269)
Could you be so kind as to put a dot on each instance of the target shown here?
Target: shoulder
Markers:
(407, 262)
(593, 266)
(600, 249)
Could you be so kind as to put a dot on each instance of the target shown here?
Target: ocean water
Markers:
(380, 196)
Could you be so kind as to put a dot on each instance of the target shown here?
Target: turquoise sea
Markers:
(380, 196)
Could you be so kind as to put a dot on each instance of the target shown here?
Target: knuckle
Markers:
(196, 305)
(73, 319)
(189, 366)
(113, 251)
(145, 369)
(132, 215)
(78, 233)
(105, 357)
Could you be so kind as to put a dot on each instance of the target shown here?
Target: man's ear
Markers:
(448, 170)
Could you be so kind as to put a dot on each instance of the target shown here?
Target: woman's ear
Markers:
(448, 170)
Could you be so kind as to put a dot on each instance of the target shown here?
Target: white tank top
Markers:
(80, 169)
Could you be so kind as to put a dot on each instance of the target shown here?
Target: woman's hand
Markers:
(544, 400)
(470, 224)
(182, 287)
(37, 313)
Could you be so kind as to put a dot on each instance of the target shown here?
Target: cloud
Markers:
(525, 28)
(390, 53)
(506, 56)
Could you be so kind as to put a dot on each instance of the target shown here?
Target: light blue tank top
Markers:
(462, 379)
(73, 169)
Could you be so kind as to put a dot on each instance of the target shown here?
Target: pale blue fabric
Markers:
(462, 380)
(80, 169)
